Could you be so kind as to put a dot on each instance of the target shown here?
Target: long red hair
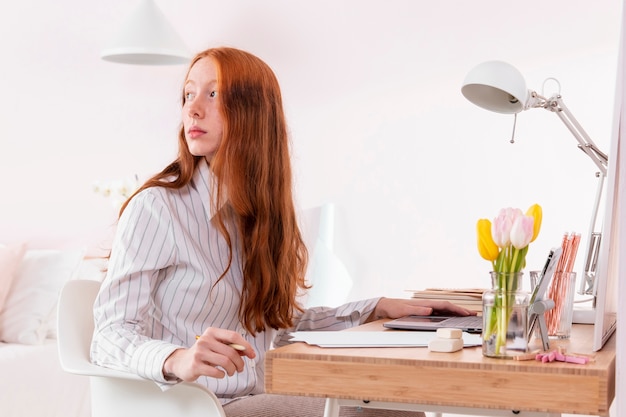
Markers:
(253, 175)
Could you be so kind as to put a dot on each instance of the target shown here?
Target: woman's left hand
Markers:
(394, 308)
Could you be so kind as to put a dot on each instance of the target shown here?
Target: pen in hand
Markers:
(232, 345)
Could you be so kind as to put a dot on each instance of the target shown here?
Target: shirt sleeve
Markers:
(326, 318)
(142, 247)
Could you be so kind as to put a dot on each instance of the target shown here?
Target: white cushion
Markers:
(29, 309)
(10, 260)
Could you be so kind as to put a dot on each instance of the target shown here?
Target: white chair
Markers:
(115, 393)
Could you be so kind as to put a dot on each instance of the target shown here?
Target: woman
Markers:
(208, 259)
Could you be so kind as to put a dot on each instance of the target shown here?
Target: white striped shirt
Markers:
(156, 297)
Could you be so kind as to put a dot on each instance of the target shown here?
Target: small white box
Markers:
(449, 333)
(445, 345)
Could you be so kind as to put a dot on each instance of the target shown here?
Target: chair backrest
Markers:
(75, 330)
(75, 325)
(116, 393)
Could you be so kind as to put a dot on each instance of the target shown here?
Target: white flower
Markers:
(117, 190)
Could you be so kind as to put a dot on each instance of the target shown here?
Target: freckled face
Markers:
(202, 120)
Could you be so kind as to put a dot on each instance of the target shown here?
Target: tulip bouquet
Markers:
(505, 244)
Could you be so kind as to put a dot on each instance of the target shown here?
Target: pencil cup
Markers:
(561, 291)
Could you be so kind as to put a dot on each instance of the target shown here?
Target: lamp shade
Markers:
(496, 86)
(146, 38)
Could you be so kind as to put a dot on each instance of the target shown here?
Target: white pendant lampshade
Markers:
(146, 38)
(496, 86)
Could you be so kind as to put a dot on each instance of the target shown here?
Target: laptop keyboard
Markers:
(467, 321)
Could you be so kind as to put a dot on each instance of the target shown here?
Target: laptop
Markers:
(469, 324)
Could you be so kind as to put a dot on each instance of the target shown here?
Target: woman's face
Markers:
(202, 120)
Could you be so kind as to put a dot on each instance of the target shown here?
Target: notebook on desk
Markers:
(470, 324)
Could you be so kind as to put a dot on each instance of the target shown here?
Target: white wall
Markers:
(372, 93)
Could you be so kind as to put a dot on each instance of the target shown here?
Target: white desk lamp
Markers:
(500, 87)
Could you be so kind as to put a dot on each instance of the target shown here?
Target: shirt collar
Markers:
(205, 178)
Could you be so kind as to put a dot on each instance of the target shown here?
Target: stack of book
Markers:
(470, 298)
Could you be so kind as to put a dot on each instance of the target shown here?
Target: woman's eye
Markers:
(213, 94)
(188, 96)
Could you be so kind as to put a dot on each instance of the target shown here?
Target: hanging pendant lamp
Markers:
(146, 38)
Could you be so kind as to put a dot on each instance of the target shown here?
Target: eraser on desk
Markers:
(449, 333)
(440, 344)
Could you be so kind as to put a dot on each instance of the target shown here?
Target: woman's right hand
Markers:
(210, 356)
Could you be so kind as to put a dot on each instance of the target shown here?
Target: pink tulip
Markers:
(522, 231)
(502, 225)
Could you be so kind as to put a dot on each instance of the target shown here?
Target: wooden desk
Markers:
(463, 382)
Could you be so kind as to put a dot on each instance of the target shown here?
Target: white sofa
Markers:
(33, 382)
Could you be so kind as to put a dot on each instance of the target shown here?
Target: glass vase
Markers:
(505, 316)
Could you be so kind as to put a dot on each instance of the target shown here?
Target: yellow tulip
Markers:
(535, 212)
(486, 246)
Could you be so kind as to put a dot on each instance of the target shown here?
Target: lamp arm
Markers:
(588, 281)
(556, 105)
(600, 159)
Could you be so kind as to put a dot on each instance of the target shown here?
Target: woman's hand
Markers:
(210, 356)
(394, 308)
